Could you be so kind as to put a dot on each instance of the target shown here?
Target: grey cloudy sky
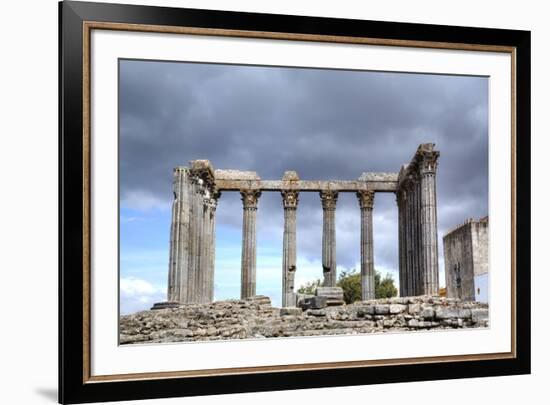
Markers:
(325, 124)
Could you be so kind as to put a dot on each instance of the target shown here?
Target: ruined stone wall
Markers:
(255, 318)
(480, 246)
(459, 266)
(466, 257)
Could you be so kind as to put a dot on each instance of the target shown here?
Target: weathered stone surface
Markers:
(397, 308)
(452, 312)
(381, 309)
(414, 308)
(380, 176)
(308, 185)
(290, 204)
(291, 311)
(334, 295)
(255, 318)
(480, 314)
(165, 304)
(330, 292)
(418, 246)
(314, 302)
(427, 313)
(235, 175)
(467, 259)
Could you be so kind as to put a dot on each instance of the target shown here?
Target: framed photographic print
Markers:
(256, 202)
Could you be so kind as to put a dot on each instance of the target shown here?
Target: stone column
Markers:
(192, 239)
(290, 203)
(179, 234)
(414, 236)
(248, 257)
(328, 201)
(400, 197)
(427, 165)
(210, 254)
(366, 203)
(408, 225)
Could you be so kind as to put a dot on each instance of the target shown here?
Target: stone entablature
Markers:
(192, 237)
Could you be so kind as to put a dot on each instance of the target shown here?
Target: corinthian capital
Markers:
(427, 162)
(366, 199)
(290, 198)
(328, 199)
(250, 198)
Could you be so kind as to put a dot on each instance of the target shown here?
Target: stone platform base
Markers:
(255, 318)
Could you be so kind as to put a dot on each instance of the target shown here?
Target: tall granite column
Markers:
(410, 249)
(290, 203)
(366, 203)
(400, 199)
(427, 166)
(328, 201)
(211, 202)
(190, 275)
(179, 234)
(248, 257)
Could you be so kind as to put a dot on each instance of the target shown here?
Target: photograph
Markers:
(255, 201)
(261, 201)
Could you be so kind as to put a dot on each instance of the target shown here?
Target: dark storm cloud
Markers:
(325, 124)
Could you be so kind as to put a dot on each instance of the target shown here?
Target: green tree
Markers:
(310, 287)
(350, 282)
(384, 287)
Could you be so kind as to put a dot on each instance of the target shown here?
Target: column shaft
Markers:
(248, 257)
(427, 166)
(401, 242)
(179, 233)
(290, 203)
(366, 203)
(328, 200)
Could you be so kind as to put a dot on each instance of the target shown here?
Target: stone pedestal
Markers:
(331, 295)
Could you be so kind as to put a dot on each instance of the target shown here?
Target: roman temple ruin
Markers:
(198, 187)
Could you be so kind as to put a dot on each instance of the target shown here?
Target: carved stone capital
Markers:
(427, 164)
(366, 199)
(328, 199)
(250, 198)
(202, 173)
(212, 200)
(290, 199)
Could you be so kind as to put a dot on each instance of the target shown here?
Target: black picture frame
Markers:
(73, 384)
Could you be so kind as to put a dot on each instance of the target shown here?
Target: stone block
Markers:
(313, 303)
(382, 309)
(414, 308)
(427, 313)
(415, 323)
(397, 308)
(452, 312)
(330, 292)
(165, 304)
(480, 315)
(235, 175)
(291, 311)
(317, 312)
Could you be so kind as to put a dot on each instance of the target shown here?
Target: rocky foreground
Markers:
(255, 318)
